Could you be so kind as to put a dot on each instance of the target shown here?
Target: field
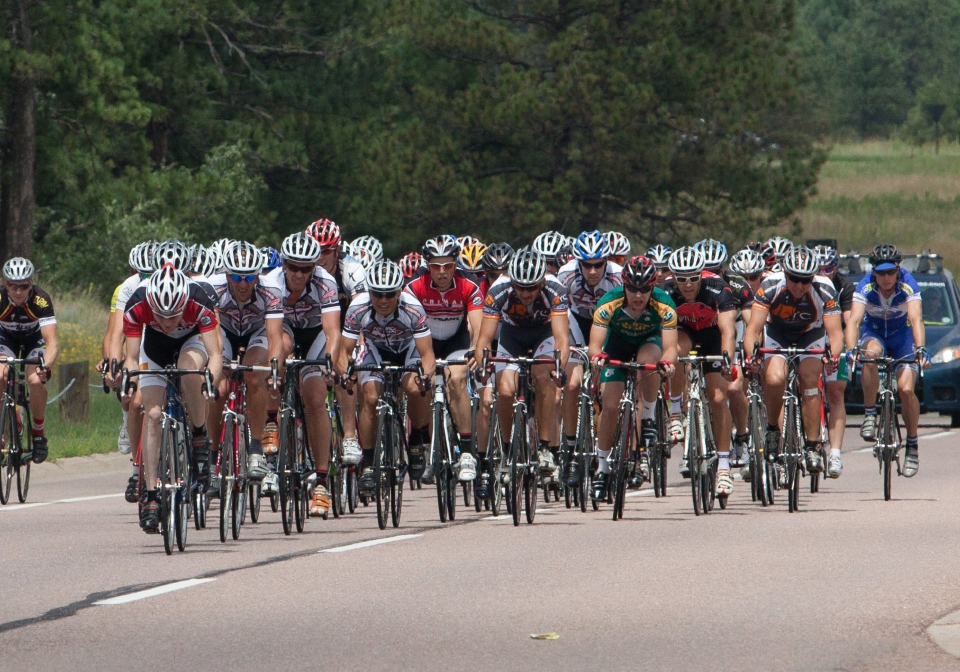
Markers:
(889, 192)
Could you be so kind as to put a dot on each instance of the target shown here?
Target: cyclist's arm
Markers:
(853, 324)
(671, 345)
(330, 321)
(488, 329)
(133, 353)
(274, 329)
(727, 321)
(114, 333)
(474, 322)
(834, 334)
(52, 348)
(754, 329)
(560, 323)
(427, 359)
(915, 315)
(211, 342)
(598, 336)
(344, 350)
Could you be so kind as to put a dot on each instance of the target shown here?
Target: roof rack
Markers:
(855, 263)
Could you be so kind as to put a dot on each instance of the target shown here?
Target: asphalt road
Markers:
(849, 583)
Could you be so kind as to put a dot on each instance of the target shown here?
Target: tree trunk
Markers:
(19, 154)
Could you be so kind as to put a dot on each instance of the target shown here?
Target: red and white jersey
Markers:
(198, 314)
(447, 310)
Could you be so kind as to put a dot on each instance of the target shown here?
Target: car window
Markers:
(936, 304)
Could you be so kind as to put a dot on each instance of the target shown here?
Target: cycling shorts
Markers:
(517, 342)
(454, 347)
(308, 343)
(624, 351)
(897, 345)
(580, 329)
(370, 355)
(158, 351)
(771, 342)
(32, 344)
(708, 343)
(233, 344)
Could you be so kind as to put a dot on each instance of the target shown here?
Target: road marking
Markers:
(17, 507)
(865, 450)
(640, 493)
(153, 592)
(938, 435)
(372, 542)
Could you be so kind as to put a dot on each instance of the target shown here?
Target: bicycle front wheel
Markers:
(286, 474)
(517, 453)
(792, 450)
(227, 476)
(7, 458)
(397, 474)
(381, 470)
(167, 471)
(889, 446)
(692, 450)
(499, 464)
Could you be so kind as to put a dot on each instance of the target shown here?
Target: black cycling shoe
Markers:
(814, 463)
(482, 486)
(150, 516)
(648, 432)
(40, 449)
(772, 445)
(131, 494)
(417, 463)
(600, 485)
(572, 477)
(368, 482)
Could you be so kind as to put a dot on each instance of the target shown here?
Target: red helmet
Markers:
(639, 272)
(766, 252)
(410, 264)
(325, 232)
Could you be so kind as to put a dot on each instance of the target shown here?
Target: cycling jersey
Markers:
(713, 297)
(395, 332)
(446, 311)
(796, 320)
(198, 315)
(124, 291)
(318, 297)
(582, 297)
(740, 288)
(21, 322)
(502, 304)
(887, 316)
(660, 313)
(351, 280)
(242, 320)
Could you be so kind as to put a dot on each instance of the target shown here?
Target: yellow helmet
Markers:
(471, 254)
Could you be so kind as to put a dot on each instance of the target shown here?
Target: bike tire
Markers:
(237, 512)
(285, 481)
(662, 415)
(397, 473)
(438, 457)
(530, 490)
(791, 448)
(353, 490)
(253, 494)
(23, 480)
(7, 459)
(499, 463)
(226, 488)
(517, 453)
(167, 473)
(181, 497)
(380, 475)
(691, 449)
(623, 457)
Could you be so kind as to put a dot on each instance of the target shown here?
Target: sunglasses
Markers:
(799, 279)
(638, 290)
(18, 287)
(448, 266)
(892, 271)
(595, 265)
(243, 278)
(828, 270)
(302, 270)
(752, 278)
(525, 288)
(384, 295)
(687, 279)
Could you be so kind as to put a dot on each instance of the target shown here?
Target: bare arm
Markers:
(427, 359)
(727, 321)
(331, 328)
(560, 323)
(915, 315)
(598, 336)
(52, 348)
(853, 324)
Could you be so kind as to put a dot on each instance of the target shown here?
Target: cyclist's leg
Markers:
(313, 388)
(719, 410)
(371, 387)
(153, 397)
(507, 387)
(38, 407)
(649, 353)
(679, 383)
(215, 409)
(810, 370)
(773, 381)
(571, 391)
(458, 399)
(872, 346)
(256, 398)
(194, 356)
(270, 439)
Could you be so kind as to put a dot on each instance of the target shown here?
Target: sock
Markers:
(544, 445)
(368, 457)
(467, 441)
(649, 410)
(36, 426)
(809, 445)
(322, 478)
(425, 435)
(676, 405)
(723, 461)
(272, 416)
(913, 442)
(153, 496)
(603, 466)
(570, 440)
(869, 410)
(773, 428)
(835, 451)
(256, 447)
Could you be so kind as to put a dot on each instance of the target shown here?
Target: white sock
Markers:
(602, 464)
(649, 408)
(835, 451)
(676, 405)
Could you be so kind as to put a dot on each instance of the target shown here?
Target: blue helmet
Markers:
(591, 245)
(271, 258)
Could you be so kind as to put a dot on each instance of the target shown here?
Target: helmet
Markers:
(410, 264)
(883, 257)
(172, 251)
(271, 258)
(463, 241)
(325, 232)
(591, 245)
(780, 246)
(619, 245)
(141, 257)
(441, 246)
(566, 253)
(300, 248)
(243, 258)
(384, 276)
(528, 267)
(206, 261)
(497, 257)
(686, 261)
(471, 255)
(660, 255)
(17, 269)
(747, 262)
(714, 252)
(548, 244)
(765, 250)
(801, 260)
(368, 250)
(167, 291)
(220, 245)
(640, 272)
(827, 255)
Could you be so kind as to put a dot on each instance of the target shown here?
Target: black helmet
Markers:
(640, 272)
(885, 256)
(497, 257)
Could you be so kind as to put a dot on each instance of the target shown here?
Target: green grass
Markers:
(99, 435)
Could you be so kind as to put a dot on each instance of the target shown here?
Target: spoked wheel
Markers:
(253, 494)
(396, 500)
(199, 507)
(397, 474)
(770, 482)
(656, 471)
(167, 522)
(467, 487)
(887, 472)
(237, 511)
(584, 452)
(181, 496)
(443, 484)
(352, 489)
(794, 492)
(708, 485)
(7, 459)
(451, 493)
(300, 496)
(225, 491)
(382, 478)
(691, 450)
(23, 480)
(338, 488)
(498, 467)
(530, 495)
(287, 503)
(286, 475)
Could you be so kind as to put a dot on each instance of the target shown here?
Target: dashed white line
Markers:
(640, 493)
(367, 544)
(938, 435)
(153, 592)
(72, 500)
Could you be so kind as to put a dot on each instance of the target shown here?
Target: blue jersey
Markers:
(887, 317)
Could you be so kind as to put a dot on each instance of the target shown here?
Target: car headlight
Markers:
(946, 356)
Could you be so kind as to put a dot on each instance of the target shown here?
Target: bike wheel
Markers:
(300, 497)
(380, 472)
(225, 493)
(286, 477)
(518, 453)
(353, 489)
(889, 447)
(791, 449)
(585, 454)
(451, 494)
(662, 412)
(23, 480)
(253, 494)
(624, 437)
(167, 473)
(7, 458)
(441, 467)
(336, 480)
(397, 475)
(691, 450)
(530, 490)
(181, 496)
(499, 465)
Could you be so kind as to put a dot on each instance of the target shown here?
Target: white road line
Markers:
(938, 435)
(372, 542)
(17, 507)
(640, 493)
(153, 592)
(865, 450)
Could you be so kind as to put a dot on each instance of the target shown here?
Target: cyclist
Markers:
(766, 252)
(251, 319)
(550, 244)
(619, 247)
(795, 307)
(271, 258)
(311, 321)
(750, 266)
(350, 276)
(368, 250)
(706, 315)
(170, 320)
(454, 306)
(836, 382)
(586, 279)
(887, 301)
(410, 265)
(470, 262)
(660, 256)
(28, 325)
(780, 246)
(633, 322)
(394, 328)
(495, 262)
(532, 307)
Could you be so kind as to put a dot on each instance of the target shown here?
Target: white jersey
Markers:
(265, 303)
(582, 297)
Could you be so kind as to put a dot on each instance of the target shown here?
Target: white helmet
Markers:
(172, 251)
(441, 246)
(747, 262)
(549, 244)
(714, 252)
(242, 258)
(384, 276)
(300, 248)
(206, 261)
(167, 291)
(464, 241)
(220, 245)
(528, 267)
(659, 255)
(367, 246)
(619, 245)
(780, 246)
(686, 261)
(141, 257)
(801, 260)
(18, 269)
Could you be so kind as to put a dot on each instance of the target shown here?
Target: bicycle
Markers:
(626, 436)
(16, 446)
(497, 462)
(583, 451)
(390, 446)
(443, 436)
(762, 472)
(889, 435)
(175, 469)
(700, 448)
(523, 461)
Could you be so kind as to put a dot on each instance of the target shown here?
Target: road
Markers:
(849, 583)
